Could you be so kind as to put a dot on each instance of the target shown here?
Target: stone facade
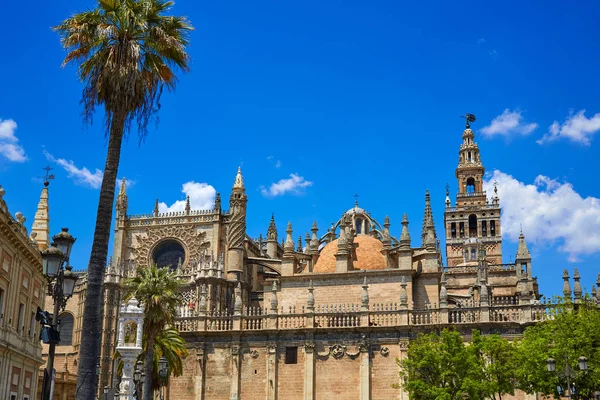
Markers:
(327, 315)
(22, 288)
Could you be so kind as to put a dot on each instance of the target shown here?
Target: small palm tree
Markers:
(158, 289)
(126, 52)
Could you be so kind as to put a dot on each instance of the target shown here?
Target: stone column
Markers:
(272, 371)
(309, 371)
(235, 372)
(403, 344)
(365, 372)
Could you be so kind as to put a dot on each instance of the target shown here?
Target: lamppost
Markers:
(139, 378)
(163, 373)
(61, 284)
(583, 366)
(106, 389)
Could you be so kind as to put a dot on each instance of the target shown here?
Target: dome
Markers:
(368, 255)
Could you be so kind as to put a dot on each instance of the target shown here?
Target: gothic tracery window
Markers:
(168, 253)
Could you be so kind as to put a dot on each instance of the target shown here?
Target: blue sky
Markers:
(349, 97)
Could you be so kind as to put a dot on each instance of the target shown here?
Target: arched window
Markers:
(473, 254)
(168, 253)
(472, 225)
(66, 329)
(471, 185)
(358, 226)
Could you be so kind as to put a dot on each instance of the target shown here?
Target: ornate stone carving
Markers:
(272, 348)
(309, 347)
(384, 351)
(337, 350)
(235, 350)
(403, 344)
(254, 353)
(194, 241)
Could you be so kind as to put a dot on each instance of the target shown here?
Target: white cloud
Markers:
(294, 184)
(576, 127)
(549, 211)
(9, 147)
(276, 163)
(202, 197)
(509, 123)
(83, 176)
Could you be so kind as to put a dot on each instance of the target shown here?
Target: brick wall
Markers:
(337, 378)
(384, 373)
(290, 383)
(254, 375)
(218, 375)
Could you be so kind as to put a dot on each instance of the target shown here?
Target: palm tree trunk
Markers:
(89, 354)
(147, 393)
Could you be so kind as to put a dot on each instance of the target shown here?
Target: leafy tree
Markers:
(126, 52)
(158, 289)
(572, 332)
(439, 367)
(497, 364)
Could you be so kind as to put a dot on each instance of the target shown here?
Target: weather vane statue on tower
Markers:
(468, 119)
(48, 177)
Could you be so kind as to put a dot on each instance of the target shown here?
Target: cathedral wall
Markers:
(290, 380)
(218, 374)
(382, 288)
(337, 378)
(184, 386)
(426, 291)
(384, 372)
(254, 374)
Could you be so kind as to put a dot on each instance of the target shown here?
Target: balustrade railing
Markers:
(502, 310)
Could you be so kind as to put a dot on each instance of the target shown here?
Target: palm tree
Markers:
(158, 289)
(126, 52)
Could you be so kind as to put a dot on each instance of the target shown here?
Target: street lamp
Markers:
(163, 373)
(61, 285)
(106, 390)
(583, 366)
(138, 380)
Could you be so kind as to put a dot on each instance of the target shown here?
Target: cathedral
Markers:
(327, 316)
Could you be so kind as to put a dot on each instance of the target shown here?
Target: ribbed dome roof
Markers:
(368, 255)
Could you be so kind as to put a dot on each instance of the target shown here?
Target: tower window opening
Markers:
(472, 225)
(461, 228)
(453, 229)
(473, 254)
(523, 268)
(471, 185)
(469, 156)
(493, 228)
(483, 228)
(358, 226)
(466, 254)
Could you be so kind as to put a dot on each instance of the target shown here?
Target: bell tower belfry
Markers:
(473, 223)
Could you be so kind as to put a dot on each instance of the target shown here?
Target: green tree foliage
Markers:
(442, 367)
(572, 332)
(126, 52)
(158, 289)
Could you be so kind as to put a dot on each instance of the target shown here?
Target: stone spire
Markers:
(566, 285)
(156, 208)
(577, 292)
(272, 238)
(299, 249)
(522, 250)
(314, 241)
(307, 240)
(428, 235)
(288, 248)
(387, 238)
(239, 180)
(122, 200)
(218, 202)
(496, 199)
(40, 230)
(405, 236)
(188, 208)
(448, 202)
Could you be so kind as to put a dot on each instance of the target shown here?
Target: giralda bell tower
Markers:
(473, 223)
